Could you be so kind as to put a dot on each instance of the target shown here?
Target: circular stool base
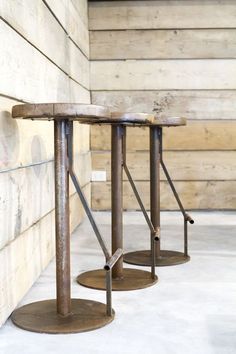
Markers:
(133, 279)
(167, 258)
(42, 317)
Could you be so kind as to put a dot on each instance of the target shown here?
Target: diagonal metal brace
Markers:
(80, 192)
(154, 233)
(187, 217)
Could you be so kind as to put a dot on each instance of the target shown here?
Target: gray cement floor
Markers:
(192, 309)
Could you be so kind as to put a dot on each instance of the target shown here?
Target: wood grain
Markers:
(194, 195)
(162, 14)
(196, 135)
(163, 44)
(179, 74)
(27, 194)
(38, 79)
(25, 17)
(215, 104)
(74, 21)
(34, 247)
(182, 165)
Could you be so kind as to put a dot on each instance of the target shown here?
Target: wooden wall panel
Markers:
(72, 20)
(44, 58)
(163, 44)
(27, 194)
(192, 104)
(182, 165)
(109, 15)
(163, 75)
(51, 40)
(196, 135)
(38, 79)
(174, 58)
(34, 247)
(199, 195)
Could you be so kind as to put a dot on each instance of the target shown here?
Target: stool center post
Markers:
(62, 220)
(155, 182)
(117, 195)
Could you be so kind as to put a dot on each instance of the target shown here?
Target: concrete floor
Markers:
(191, 310)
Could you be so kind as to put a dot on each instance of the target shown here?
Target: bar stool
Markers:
(163, 257)
(65, 315)
(122, 278)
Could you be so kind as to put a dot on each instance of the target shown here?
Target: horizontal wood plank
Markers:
(163, 75)
(51, 40)
(163, 44)
(23, 260)
(38, 79)
(27, 194)
(182, 165)
(73, 21)
(190, 104)
(196, 135)
(162, 14)
(194, 195)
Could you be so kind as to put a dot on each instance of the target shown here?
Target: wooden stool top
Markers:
(123, 118)
(60, 111)
(138, 119)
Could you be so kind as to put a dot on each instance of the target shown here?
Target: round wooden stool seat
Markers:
(60, 111)
(124, 118)
(138, 119)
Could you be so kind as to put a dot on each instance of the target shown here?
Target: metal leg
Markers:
(117, 196)
(155, 184)
(122, 278)
(63, 315)
(163, 257)
(62, 220)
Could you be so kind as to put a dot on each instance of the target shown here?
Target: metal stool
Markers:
(123, 278)
(163, 257)
(65, 315)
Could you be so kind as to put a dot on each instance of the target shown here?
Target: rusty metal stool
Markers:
(122, 278)
(65, 315)
(163, 257)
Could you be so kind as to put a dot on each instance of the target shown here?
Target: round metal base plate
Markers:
(167, 258)
(42, 317)
(133, 279)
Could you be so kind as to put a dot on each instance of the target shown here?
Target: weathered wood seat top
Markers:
(144, 119)
(59, 111)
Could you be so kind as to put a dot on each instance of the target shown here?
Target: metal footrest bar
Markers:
(187, 217)
(110, 260)
(154, 232)
(80, 192)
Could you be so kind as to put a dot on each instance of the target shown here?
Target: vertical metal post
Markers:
(116, 196)
(62, 219)
(109, 291)
(155, 184)
(185, 237)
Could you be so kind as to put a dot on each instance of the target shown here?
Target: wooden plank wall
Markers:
(173, 58)
(44, 57)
